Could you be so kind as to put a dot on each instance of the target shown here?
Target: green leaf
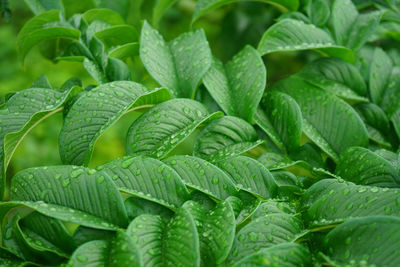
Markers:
(120, 251)
(44, 26)
(160, 8)
(159, 130)
(273, 206)
(318, 11)
(204, 6)
(93, 113)
(319, 108)
(70, 193)
(287, 254)
(216, 229)
(391, 94)
(120, 6)
(173, 243)
(264, 232)
(40, 6)
(147, 178)
(362, 166)
(280, 117)
(103, 14)
(379, 76)
(336, 73)
(294, 35)
(225, 137)
(274, 161)
(367, 241)
(23, 111)
(238, 86)
(117, 35)
(178, 65)
(244, 206)
(250, 175)
(136, 206)
(330, 201)
(395, 119)
(203, 176)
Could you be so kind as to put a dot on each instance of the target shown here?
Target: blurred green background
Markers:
(228, 29)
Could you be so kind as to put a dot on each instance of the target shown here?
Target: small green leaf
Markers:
(204, 6)
(362, 166)
(368, 241)
(294, 35)
(178, 65)
(103, 14)
(238, 86)
(44, 26)
(318, 11)
(225, 137)
(280, 117)
(93, 113)
(159, 130)
(286, 254)
(203, 176)
(319, 108)
(147, 178)
(173, 243)
(250, 175)
(216, 230)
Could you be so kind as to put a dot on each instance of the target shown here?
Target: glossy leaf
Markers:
(238, 86)
(203, 176)
(159, 130)
(225, 137)
(94, 112)
(178, 65)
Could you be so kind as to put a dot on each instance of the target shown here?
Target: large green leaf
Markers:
(159, 130)
(225, 137)
(147, 178)
(173, 243)
(366, 241)
(280, 117)
(238, 86)
(203, 176)
(95, 111)
(265, 232)
(250, 175)
(204, 6)
(70, 193)
(327, 120)
(362, 166)
(350, 28)
(178, 65)
(119, 251)
(45, 26)
(286, 254)
(23, 111)
(293, 35)
(330, 201)
(216, 230)
(379, 77)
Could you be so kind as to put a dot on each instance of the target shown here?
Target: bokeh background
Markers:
(228, 29)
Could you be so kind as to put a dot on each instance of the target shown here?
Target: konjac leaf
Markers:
(204, 6)
(119, 251)
(95, 111)
(264, 232)
(178, 65)
(328, 121)
(286, 254)
(203, 176)
(280, 117)
(44, 26)
(238, 86)
(225, 137)
(362, 166)
(147, 178)
(159, 130)
(216, 229)
(293, 35)
(70, 193)
(250, 175)
(23, 111)
(368, 241)
(330, 201)
(173, 243)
